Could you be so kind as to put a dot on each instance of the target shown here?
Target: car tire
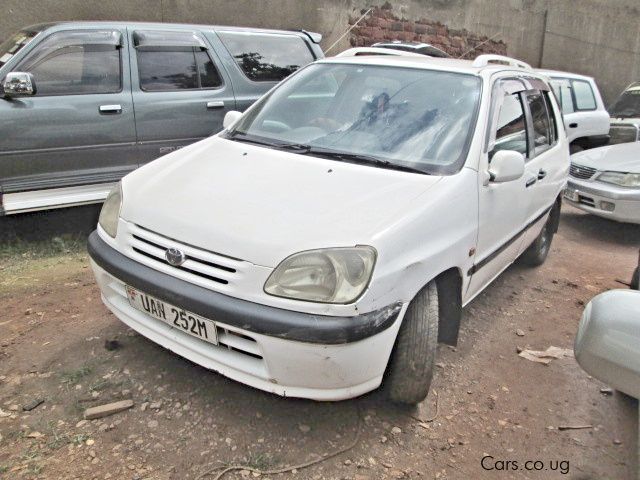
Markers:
(412, 360)
(537, 252)
(575, 148)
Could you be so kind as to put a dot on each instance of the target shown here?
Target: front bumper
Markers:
(622, 204)
(280, 351)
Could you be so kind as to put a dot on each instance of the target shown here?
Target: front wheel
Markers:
(413, 358)
(537, 253)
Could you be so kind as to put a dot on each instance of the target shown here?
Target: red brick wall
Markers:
(381, 24)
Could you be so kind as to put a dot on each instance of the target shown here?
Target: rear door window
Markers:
(585, 100)
(562, 89)
(76, 62)
(174, 61)
(266, 57)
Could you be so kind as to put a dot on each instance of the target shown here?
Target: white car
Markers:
(605, 181)
(625, 116)
(330, 235)
(586, 119)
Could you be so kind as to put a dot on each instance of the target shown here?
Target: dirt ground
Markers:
(486, 401)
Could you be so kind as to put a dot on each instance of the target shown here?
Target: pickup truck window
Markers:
(176, 68)
(74, 62)
(14, 44)
(267, 57)
(511, 133)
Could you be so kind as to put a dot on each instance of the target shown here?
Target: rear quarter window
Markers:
(267, 57)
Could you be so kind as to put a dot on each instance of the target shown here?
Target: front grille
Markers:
(583, 173)
(200, 265)
(622, 133)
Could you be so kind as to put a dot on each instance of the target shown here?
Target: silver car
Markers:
(605, 181)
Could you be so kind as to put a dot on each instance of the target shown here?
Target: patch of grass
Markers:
(79, 438)
(17, 249)
(35, 468)
(99, 385)
(72, 377)
(4, 468)
(30, 455)
(259, 461)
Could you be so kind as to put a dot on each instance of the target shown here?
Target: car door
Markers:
(582, 107)
(502, 207)
(180, 91)
(76, 135)
(545, 171)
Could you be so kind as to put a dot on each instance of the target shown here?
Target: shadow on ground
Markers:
(28, 227)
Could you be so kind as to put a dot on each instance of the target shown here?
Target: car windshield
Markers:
(14, 44)
(627, 104)
(394, 117)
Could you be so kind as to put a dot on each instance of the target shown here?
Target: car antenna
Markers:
(348, 30)
(478, 45)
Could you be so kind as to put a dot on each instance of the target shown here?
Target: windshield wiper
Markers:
(304, 149)
(361, 159)
(243, 137)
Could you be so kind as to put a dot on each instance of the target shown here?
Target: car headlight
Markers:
(111, 211)
(331, 275)
(620, 178)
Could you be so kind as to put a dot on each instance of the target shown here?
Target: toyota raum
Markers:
(329, 237)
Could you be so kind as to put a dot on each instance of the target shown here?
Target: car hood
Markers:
(262, 205)
(623, 157)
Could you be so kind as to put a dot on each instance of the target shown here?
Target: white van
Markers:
(328, 238)
(586, 119)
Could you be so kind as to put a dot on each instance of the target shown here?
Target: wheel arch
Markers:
(449, 284)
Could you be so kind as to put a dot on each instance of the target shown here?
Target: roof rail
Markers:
(486, 59)
(364, 51)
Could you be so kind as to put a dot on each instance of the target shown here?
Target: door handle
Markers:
(573, 125)
(530, 182)
(215, 104)
(541, 174)
(110, 109)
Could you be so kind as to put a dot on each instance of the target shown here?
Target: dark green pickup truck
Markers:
(84, 103)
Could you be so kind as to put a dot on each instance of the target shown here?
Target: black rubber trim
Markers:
(507, 244)
(253, 317)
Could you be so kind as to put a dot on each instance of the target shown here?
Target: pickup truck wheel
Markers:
(413, 358)
(537, 253)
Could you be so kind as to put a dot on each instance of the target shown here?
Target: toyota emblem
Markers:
(175, 257)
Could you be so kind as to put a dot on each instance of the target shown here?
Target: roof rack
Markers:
(486, 59)
(364, 51)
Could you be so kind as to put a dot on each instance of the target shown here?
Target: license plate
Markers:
(571, 194)
(187, 322)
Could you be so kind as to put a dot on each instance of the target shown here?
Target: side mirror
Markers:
(506, 166)
(19, 84)
(230, 118)
(607, 344)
